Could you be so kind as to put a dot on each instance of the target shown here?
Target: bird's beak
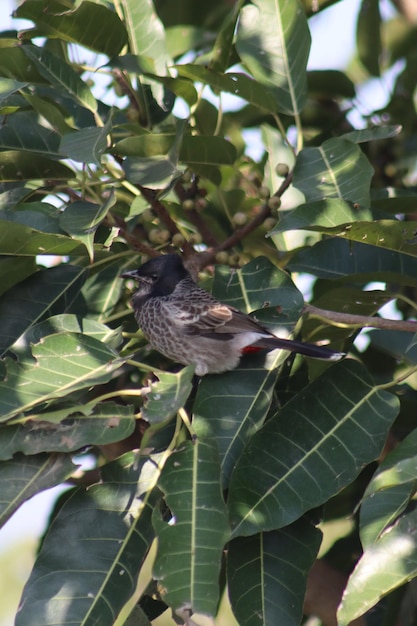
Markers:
(130, 274)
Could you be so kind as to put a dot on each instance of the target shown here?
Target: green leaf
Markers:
(65, 322)
(146, 33)
(197, 532)
(386, 565)
(9, 87)
(22, 132)
(104, 423)
(336, 169)
(101, 291)
(223, 46)
(109, 531)
(61, 364)
(14, 64)
(315, 445)
(25, 240)
(26, 303)
(322, 213)
(368, 36)
(238, 84)
(86, 145)
(388, 234)
(81, 220)
(18, 166)
(352, 259)
(221, 409)
(194, 150)
(90, 24)
(373, 134)
(330, 82)
(14, 270)
(61, 75)
(267, 574)
(24, 476)
(167, 395)
(389, 491)
(273, 41)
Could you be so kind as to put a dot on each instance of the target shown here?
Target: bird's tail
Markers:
(307, 349)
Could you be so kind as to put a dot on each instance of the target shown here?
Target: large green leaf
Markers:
(61, 364)
(102, 424)
(14, 270)
(90, 24)
(64, 323)
(315, 445)
(167, 395)
(273, 42)
(16, 165)
(61, 75)
(24, 476)
(88, 564)
(190, 545)
(321, 214)
(368, 36)
(389, 491)
(194, 150)
(267, 574)
(22, 131)
(336, 258)
(14, 64)
(388, 234)
(235, 83)
(146, 33)
(386, 565)
(81, 220)
(27, 302)
(221, 408)
(20, 239)
(86, 145)
(336, 169)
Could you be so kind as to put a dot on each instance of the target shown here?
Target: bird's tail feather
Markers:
(307, 349)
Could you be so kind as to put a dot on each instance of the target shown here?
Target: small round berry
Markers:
(282, 169)
(222, 257)
(239, 218)
(158, 235)
(195, 238)
(274, 203)
(178, 240)
(188, 205)
(269, 223)
(264, 192)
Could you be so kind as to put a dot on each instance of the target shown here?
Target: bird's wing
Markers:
(214, 319)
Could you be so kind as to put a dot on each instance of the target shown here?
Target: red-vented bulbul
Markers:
(188, 325)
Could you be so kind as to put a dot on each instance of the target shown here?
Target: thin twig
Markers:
(350, 320)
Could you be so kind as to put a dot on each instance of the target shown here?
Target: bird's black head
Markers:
(159, 276)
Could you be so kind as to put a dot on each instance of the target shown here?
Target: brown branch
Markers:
(131, 239)
(164, 216)
(349, 320)
(208, 256)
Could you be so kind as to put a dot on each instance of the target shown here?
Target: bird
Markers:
(190, 326)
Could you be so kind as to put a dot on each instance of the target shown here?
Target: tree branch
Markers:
(349, 320)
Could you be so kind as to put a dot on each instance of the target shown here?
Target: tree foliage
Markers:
(122, 138)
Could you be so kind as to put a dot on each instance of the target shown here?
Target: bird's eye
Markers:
(154, 277)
